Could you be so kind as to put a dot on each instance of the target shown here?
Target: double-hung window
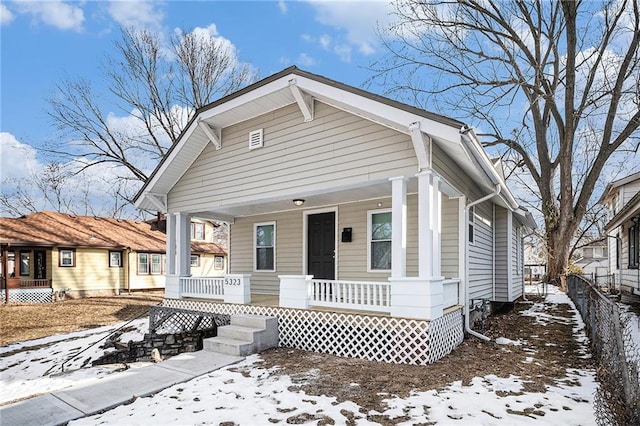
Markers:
(197, 231)
(379, 240)
(634, 251)
(115, 259)
(67, 257)
(265, 246)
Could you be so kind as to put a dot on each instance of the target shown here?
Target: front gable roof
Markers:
(293, 85)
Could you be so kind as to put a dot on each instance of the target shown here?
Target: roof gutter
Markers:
(467, 327)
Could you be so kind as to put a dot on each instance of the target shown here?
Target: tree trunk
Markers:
(558, 248)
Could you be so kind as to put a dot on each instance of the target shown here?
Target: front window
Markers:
(195, 260)
(143, 263)
(115, 259)
(156, 264)
(197, 231)
(218, 263)
(380, 241)
(67, 257)
(24, 263)
(265, 246)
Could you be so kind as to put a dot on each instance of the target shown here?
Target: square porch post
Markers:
(398, 227)
(183, 244)
(425, 225)
(172, 281)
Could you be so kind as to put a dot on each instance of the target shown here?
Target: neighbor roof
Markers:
(51, 229)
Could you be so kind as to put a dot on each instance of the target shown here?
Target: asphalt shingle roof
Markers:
(51, 229)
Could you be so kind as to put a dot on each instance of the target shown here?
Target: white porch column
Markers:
(171, 243)
(425, 227)
(398, 227)
(436, 231)
(183, 244)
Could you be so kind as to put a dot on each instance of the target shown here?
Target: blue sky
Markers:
(44, 42)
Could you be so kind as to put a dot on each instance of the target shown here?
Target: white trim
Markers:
(254, 245)
(305, 243)
(370, 214)
(214, 134)
(510, 255)
(398, 227)
(304, 101)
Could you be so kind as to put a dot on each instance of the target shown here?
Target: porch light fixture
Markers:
(298, 202)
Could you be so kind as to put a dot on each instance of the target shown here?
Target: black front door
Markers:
(40, 264)
(321, 245)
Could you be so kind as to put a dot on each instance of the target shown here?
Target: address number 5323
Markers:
(232, 281)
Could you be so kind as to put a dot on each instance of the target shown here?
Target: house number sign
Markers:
(232, 281)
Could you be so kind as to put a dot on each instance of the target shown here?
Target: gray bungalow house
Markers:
(370, 228)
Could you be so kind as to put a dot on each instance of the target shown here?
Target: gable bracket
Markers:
(421, 145)
(158, 200)
(214, 135)
(305, 102)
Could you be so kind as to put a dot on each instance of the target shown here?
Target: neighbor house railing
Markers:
(202, 287)
(40, 283)
(366, 296)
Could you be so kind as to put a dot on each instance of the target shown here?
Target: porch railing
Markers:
(366, 296)
(202, 287)
(451, 293)
(39, 283)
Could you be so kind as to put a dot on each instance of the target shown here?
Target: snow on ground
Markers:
(248, 394)
(36, 366)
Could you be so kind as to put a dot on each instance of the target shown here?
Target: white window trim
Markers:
(255, 247)
(151, 263)
(61, 263)
(370, 214)
(148, 263)
(197, 259)
(215, 263)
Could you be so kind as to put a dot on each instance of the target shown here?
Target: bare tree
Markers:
(554, 85)
(157, 86)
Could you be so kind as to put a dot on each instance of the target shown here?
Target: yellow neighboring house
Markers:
(46, 252)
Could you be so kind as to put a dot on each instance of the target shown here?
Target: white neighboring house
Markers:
(593, 258)
(622, 199)
(339, 199)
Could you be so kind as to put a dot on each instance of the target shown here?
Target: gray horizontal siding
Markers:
(481, 255)
(335, 149)
(517, 264)
(288, 250)
(502, 254)
(450, 260)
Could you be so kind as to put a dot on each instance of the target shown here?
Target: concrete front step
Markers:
(228, 346)
(246, 335)
(261, 322)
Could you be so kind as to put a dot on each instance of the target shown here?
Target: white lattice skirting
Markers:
(376, 338)
(28, 295)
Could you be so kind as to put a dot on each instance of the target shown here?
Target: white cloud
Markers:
(344, 52)
(137, 14)
(305, 60)
(55, 13)
(17, 160)
(357, 18)
(5, 15)
(325, 41)
(282, 6)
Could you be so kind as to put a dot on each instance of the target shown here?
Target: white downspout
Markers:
(467, 328)
(493, 252)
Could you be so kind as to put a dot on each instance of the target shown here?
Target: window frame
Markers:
(471, 228)
(138, 263)
(632, 245)
(119, 264)
(370, 240)
(195, 226)
(60, 257)
(217, 259)
(153, 263)
(195, 264)
(28, 259)
(255, 246)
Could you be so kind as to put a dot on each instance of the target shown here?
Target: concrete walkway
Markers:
(115, 389)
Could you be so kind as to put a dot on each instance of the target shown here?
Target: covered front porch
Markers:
(329, 253)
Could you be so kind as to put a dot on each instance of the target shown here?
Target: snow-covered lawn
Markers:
(250, 394)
